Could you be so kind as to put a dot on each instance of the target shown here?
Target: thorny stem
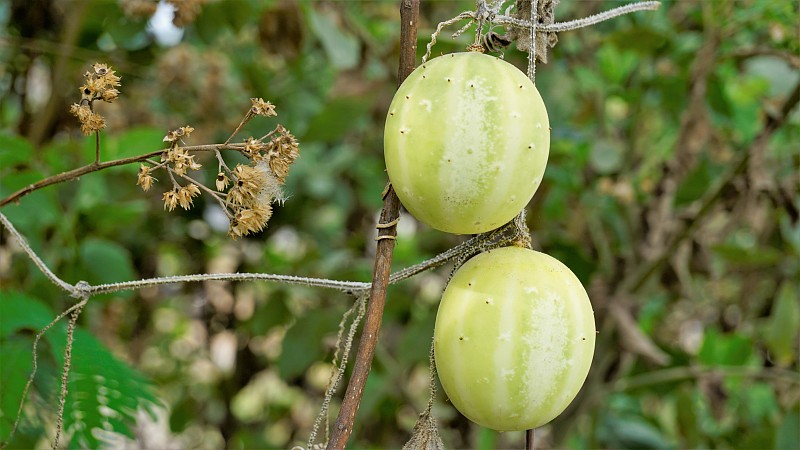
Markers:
(62, 399)
(94, 167)
(499, 19)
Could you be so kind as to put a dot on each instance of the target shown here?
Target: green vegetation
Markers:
(671, 191)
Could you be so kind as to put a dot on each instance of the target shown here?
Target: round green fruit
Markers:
(514, 338)
(466, 142)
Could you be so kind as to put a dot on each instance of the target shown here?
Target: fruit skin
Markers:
(514, 338)
(466, 142)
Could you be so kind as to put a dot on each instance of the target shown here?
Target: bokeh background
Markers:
(671, 191)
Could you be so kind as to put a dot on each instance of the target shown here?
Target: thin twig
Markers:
(214, 194)
(674, 374)
(97, 147)
(530, 439)
(81, 171)
(244, 121)
(34, 257)
(409, 16)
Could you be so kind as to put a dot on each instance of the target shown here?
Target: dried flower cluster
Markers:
(251, 188)
(255, 187)
(177, 161)
(101, 84)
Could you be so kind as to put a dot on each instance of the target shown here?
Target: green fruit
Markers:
(466, 142)
(514, 338)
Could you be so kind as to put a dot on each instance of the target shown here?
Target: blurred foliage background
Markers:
(671, 191)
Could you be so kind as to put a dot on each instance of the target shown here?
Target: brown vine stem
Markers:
(95, 166)
(409, 16)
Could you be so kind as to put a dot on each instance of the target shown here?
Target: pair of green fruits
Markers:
(466, 143)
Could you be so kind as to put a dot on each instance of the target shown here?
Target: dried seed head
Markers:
(248, 183)
(282, 152)
(171, 199)
(145, 180)
(222, 181)
(262, 108)
(186, 194)
(94, 123)
(252, 147)
(250, 220)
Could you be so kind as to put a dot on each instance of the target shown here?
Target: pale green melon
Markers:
(466, 142)
(514, 338)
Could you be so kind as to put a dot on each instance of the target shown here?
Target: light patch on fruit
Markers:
(426, 104)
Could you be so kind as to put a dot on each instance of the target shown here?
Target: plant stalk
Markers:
(409, 16)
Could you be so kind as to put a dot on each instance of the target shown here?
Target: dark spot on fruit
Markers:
(407, 97)
(530, 146)
(461, 338)
(423, 76)
(583, 338)
(472, 85)
(448, 80)
(391, 113)
(520, 86)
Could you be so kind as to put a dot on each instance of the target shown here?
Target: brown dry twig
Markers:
(409, 16)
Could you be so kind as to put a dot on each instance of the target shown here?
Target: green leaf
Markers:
(19, 311)
(338, 118)
(783, 327)
(720, 349)
(787, 436)
(695, 184)
(17, 364)
(136, 141)
(104, 392)
(105, 261)
(630, 432)
(14, 150)
(303, 343)
(342, 48)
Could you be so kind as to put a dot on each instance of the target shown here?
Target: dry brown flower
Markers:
(100, 85)
(186, 194)
(262, 108)
(171, 199)
(93, 123)
(248, 182)
(252, 146)
(145, 180)
(282, 152)
(250, 220)
(222, 181)
(109, 95)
